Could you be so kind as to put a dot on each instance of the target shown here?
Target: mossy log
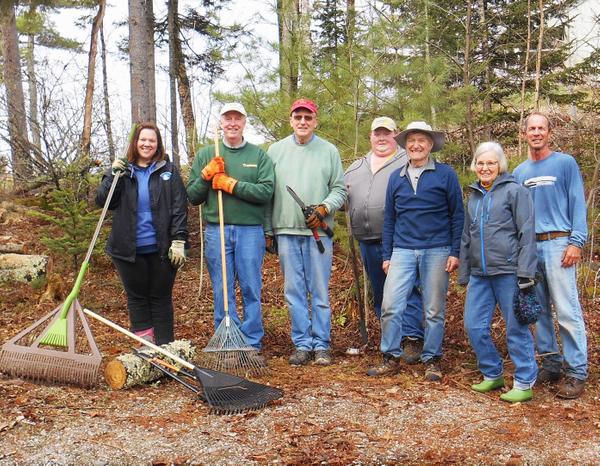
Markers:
(129, 370)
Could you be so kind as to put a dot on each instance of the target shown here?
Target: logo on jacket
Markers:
(166, 176)
(249, 165)
(539, 181)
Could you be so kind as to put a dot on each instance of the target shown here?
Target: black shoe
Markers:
(547, 377)
(389, 366)
(323, 357)
(433, 370)
(411, 350)
(300, 358)
(570, 388)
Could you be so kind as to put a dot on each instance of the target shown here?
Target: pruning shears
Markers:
(307, 211)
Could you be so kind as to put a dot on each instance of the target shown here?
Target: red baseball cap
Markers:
(304, 103)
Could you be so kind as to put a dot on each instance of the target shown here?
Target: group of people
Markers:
(406, 211)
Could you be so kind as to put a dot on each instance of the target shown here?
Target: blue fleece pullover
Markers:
(145, 231)
(430, 217)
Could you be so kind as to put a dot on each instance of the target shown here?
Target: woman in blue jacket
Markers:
(149, 230)
(498, 256)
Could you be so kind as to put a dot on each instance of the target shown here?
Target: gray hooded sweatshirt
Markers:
(499, 231)
(366, 194)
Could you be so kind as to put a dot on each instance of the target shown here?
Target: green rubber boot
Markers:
(488, 385)
(517, 396)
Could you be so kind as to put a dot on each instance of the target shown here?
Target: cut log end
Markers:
(115, 374)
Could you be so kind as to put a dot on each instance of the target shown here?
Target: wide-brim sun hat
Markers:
(421, 127)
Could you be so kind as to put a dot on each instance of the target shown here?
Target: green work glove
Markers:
(119, 165)
(177, 253)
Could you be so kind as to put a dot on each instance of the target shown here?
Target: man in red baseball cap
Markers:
(312, 167)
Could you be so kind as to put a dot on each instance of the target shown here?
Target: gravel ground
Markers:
(348, 420)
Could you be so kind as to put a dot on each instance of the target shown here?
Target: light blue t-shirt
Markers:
(556, 188)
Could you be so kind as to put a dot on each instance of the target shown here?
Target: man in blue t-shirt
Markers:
(556, 187)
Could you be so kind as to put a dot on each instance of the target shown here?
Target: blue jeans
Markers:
(559, 287)
(483, 293)
(405, 265)
(244, 253)
(412, 322)
(306, 272)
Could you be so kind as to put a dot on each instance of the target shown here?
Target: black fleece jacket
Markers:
(168, 203)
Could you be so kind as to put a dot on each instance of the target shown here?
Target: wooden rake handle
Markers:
(118, 328)
(222, 236)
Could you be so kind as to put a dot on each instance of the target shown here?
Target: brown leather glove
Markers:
(316, 218)
(224, 183)
(216, 165)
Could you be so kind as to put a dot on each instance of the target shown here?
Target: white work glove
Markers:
(177, 253)
(119, 165)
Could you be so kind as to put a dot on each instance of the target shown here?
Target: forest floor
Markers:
(328, 415)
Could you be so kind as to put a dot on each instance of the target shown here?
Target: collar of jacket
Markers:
(430, 166)
(155, 166)
(502, 179)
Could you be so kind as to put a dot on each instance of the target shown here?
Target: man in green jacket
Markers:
(312, 167)
(244, 173)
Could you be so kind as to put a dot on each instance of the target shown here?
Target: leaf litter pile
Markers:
(328, 415)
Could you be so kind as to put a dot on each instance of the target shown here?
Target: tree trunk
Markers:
(428, 64)
(185, 94)
(89, 88)
(525, 71)
(467, 80)
(141, 56)
(17, 120)
(34, 124)
(172, 6)
(487, 102)
(288, 18)
(107, 119)
(129, 370)
(538, 62)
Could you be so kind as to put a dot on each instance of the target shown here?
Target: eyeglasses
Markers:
(490, 164)
(307, 118)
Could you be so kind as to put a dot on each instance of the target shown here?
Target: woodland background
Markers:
(470, 68)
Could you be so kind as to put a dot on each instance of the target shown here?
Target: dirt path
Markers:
(328, 415)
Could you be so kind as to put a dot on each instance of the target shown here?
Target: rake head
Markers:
(25, 356)
(228, 351)
(56, 335)
(229, 394)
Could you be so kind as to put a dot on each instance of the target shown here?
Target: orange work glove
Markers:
(224, 183)
(216, 165)
(315, 219)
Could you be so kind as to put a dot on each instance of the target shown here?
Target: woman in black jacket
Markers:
(149, 230)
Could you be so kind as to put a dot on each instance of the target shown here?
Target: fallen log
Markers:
(129, 370)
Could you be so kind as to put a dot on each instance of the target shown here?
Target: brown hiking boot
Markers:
(323, 357)
(433, 370)
(300, 358)
(389, 366)
(547, 377)
(411, 350)
(570, 388)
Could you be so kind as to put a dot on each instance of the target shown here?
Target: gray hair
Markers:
(491, 146)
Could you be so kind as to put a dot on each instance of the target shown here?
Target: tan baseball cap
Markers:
(384, 122)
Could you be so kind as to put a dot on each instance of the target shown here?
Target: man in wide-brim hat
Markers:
(422, 228)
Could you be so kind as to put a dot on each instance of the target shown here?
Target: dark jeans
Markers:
(412, 320)
(148, 283)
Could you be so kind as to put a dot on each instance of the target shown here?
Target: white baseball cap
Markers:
(233, 107)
